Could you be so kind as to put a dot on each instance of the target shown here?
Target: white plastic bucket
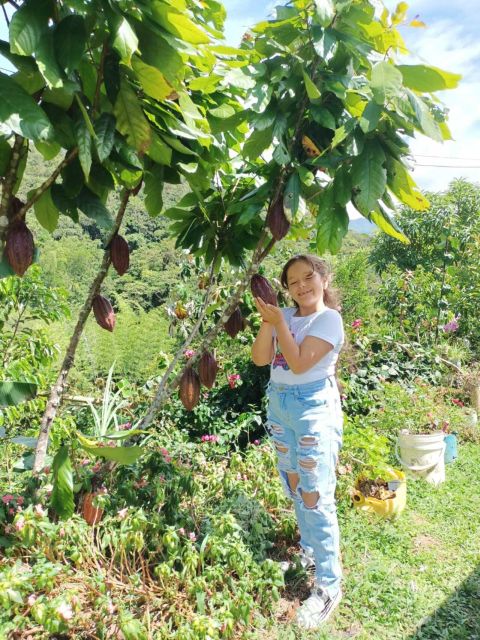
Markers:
(423, 455)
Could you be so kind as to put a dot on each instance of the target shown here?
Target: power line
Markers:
(447, 166)
(424, 155)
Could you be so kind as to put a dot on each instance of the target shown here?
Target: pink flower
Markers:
(32, 598)
(39, 511)
(232, 379)
(61, 532)
(125, 427)
(7, 498)
(189, 353)
(84, 462)
(96, 467)
(20, 500)
(458, 402)
(256, 442)
(192, 536)
(451, 326)
(65, 611)
(343, 397)
(140, 484)
(19, 523)
(356, 323)
(122, 514)
(11, 511)
(209, 438)
(181, 531)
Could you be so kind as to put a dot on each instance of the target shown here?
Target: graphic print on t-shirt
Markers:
(279, 360)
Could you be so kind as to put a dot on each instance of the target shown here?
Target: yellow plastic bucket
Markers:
(385, 508)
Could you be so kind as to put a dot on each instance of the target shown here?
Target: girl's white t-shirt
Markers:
(328, 326)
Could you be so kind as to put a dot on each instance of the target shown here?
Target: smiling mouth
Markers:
(300, 295)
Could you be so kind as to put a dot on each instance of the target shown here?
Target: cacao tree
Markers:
(311, 113)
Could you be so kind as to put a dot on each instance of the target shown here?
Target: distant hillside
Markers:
(361, 225)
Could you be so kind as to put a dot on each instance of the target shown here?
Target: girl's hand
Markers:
(269, 312)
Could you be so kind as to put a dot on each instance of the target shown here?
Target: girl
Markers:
(302, 344)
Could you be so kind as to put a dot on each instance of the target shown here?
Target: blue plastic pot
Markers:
(451, 448)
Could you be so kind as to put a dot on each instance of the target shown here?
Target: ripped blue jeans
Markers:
(305, 423)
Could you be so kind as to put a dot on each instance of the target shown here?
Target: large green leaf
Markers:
(332, 225)
(125, 41)
(369, 177)
(47, 62)
(154, 190)
(152, 80)
(93, 207)
(425, 119)
(26, 64)
(105, 135)
(370, 116)
(257, 143)
(388, 225)
(404, 187)
(64, 204)
(20, 113)
(159, 151)
(27, 27)
(84, 143)
(179, 24)
(130, 119)
(62, 494)
(386, 82)
(325, 11)
(312, 91)
(423, 78)
(122, 455)
(157, 52)
(46, 212)
(69, 42)
(12, 393)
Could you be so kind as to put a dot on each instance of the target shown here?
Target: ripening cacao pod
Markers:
(234, 324)
(104, 313)
(207, 369)
(261, 288)
(180, 311)
(19, 247)
(120, 254)
(276, 219)
(189, 388)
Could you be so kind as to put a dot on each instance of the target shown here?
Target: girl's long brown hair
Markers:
(331, 297)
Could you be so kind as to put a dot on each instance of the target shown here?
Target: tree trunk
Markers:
(58, 388)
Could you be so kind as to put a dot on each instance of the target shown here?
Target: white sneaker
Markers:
(317, 608)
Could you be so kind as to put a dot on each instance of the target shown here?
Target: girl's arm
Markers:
(262, 348)
(300, 357)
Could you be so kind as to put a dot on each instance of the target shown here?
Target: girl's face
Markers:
(305, 285)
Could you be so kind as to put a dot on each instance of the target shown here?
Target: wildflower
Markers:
(166, 456)
(233, 378)
(140, 484)
(451, 326)
(356, 323)
(39, 511)
(256, 442)
(181, 531)
(48, 489)
(192, 536)
(189, 353)
(122, 513)
(11, 511)
(20, 500)
(209, 438)
(7, 498)
(32, 598)
(46, 470)
(84, 462)
(19, 523)
(125, 427)
(458, 402)
(65, 611)
(96, 467)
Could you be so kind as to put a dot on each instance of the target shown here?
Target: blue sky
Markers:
(449, 41)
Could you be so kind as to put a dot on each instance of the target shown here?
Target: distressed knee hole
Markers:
(308, 464)
(308, 441)
(310, 499)
(276, 429)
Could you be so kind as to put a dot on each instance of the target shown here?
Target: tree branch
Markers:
(11, 175)
(59, 386)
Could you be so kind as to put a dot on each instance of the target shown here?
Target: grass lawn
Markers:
(417, 577)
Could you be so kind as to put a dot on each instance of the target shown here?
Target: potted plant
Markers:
(420, 448)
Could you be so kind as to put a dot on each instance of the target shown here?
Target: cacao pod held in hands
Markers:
(19, 247)
(277, 220)
(189, 388)
(234, 324)
(261, 288)
(120, 254)
(207, 369)
(104, 313)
